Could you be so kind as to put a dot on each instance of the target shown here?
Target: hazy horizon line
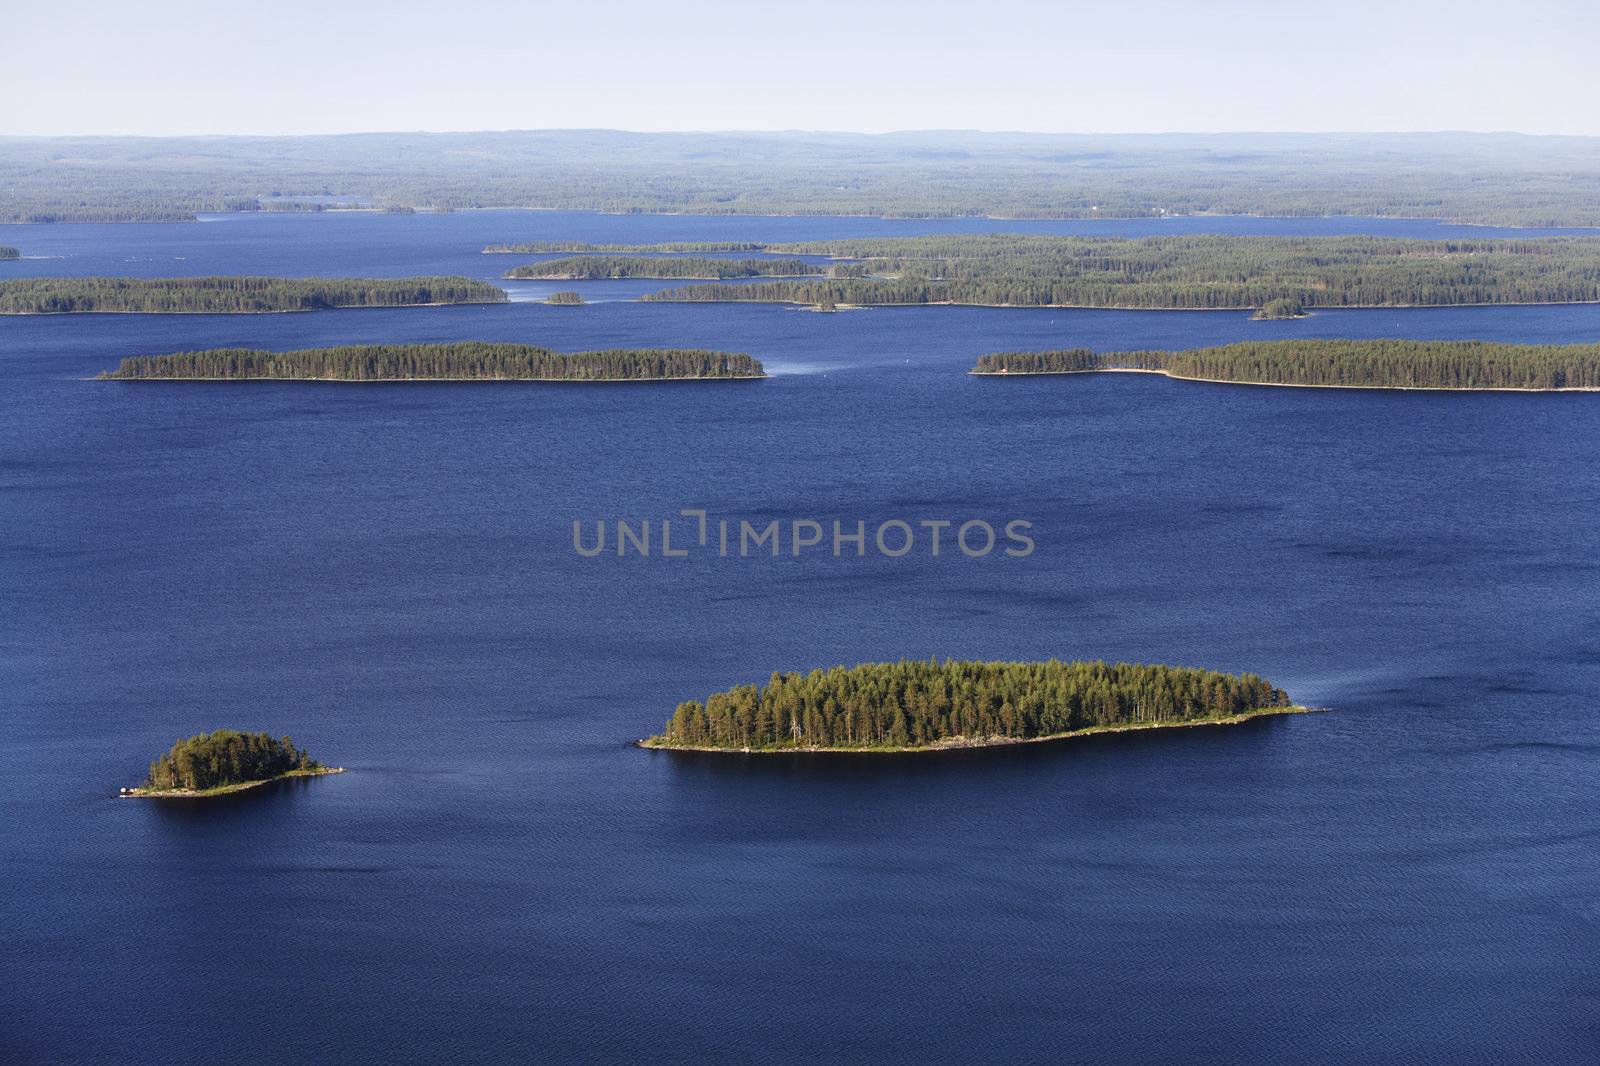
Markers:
(806, 131)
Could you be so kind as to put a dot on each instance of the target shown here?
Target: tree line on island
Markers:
(462, 361)
(1280, 307)
(1281, 275)
(226, 757)
(1400, 364)
(232, 295)
(8, 252)
(633, 266)
(915, 703)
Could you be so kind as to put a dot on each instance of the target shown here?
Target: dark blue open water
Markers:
(385, 572)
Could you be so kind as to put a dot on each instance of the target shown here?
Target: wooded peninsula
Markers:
(687, 267)
(1285, 274)
(224, 761)
(234, 295)
(915, 705)
(461, 361)
(1356, 364)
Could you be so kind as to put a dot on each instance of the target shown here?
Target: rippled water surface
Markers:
(386, 573)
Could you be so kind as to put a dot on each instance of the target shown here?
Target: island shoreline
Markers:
(656, 277)
(270, 311)
(968, 744)
(1264, 384)
(141, 792)
(445, 381)
(1310, 312)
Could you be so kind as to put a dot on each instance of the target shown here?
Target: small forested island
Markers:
(1276, 276)
(565, 299)
(234, 295)
(224, 761)
(461, 361)
(8, 252)
(579, 267)
(667, 247)
(1280, 308)
(916, 705)
(1352, 364)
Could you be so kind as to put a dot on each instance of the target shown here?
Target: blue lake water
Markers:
(385, 572)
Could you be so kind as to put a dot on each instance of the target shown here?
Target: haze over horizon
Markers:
(181, 67)
(819, 132)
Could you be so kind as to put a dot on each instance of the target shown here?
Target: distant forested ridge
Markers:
(463, 361)
(1504, 179)
(1387, 364)
(625, 266)
(232, 295)
(1192, 273)
(8, 252)
(917, 704)
(225, 757)
(666, 247)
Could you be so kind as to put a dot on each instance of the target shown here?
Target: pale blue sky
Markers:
(288, 66)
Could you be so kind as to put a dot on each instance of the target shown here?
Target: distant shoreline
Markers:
(142, 792)
(273, 311)
(967, 743)
(656, 277)
(1263, 384)
(199, 216)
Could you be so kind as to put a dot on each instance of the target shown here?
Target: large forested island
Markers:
(1355, 364)
(461, 361)
(1279, 276)
(213, 764)
(916, 705)
(234, 295)
(683, 267)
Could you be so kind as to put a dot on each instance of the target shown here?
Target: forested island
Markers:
(461, 361)
(224, 761)
(916, 705)
(687, 267)
(8, 252)
(1282, 307)
(234, 295)
(1354, 364)
(565, 299)
(1278, 276)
